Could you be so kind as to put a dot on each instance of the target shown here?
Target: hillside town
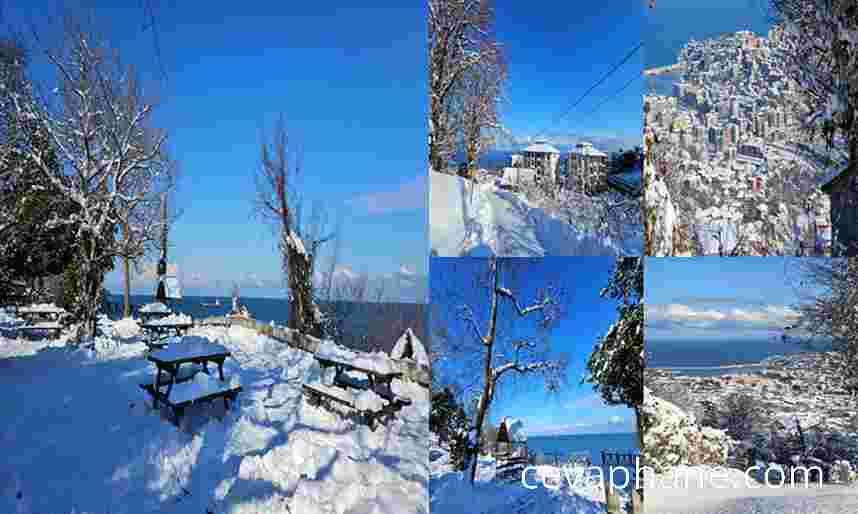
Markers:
(807, 388)
(729, 144)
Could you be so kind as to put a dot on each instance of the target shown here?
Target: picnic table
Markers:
(43, 326)
(182, 361)
(158, 332)
(34, 314)
(344, 386)
(147, 316)
(41, 319)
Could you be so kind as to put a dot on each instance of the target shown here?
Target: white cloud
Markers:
(684, 315)
(615, 420)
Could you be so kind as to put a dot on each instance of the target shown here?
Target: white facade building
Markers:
(544, 158)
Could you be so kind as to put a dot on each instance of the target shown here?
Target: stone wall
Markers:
(410, 369)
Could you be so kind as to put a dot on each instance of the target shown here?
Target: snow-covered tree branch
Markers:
(459, 39)
(111, 161)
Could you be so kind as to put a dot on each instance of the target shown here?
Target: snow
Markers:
(378, 362)
(418, 351)
(368, 400)
(541, 147)
(680, 491)
(452, 493)
(173, 319)
(154, 307)
(41, 307)
(478, 220)
(201, 385)
(125, 328)
(188, 346)
(45, 325)
(79, 435)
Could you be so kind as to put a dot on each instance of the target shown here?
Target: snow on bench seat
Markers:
(46, 326)
(334, 393)
(365, 401)
(377, 362)
(201, 388)
(42, 326)
(188, 347)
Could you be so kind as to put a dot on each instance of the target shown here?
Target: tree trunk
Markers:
(489, 390)
(126, 271)
(482, 409)
(303, 312)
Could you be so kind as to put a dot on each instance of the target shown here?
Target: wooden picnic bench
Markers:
(375, 381)
(183, 388)
(319, 394)
(40, 314)
(148, 316)
(49, 327)
(340, 392)
(157, 333)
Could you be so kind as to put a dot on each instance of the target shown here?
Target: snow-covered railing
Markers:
(411, 369)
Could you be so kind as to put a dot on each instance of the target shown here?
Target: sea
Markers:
(360, 319)
(590, 446)
(716, 357)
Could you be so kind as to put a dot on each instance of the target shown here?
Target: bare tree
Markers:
(493, 354)
(279, 200)
(830, 311)
(134, 243)
(821, 43)
(459, 38)
(104, 143)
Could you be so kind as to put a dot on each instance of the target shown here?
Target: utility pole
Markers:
(161, 291)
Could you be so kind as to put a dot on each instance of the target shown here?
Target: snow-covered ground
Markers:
(79, 435)
(735, 494)
(480, 219)
(452, 493)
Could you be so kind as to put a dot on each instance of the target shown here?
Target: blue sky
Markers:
(673, 22)
(715, 297)
(352, 95)
(556, 51)
(576, 408)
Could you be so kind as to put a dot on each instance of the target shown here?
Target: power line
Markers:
(618, 93)
(600, 81)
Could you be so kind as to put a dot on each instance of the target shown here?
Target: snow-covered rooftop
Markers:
(409, 346)
(541, 147)
(584, 148)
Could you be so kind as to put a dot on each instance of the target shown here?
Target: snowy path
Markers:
(452, 493)
(478, 220)
(739, 498)
(78, 437)
(827, 500)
